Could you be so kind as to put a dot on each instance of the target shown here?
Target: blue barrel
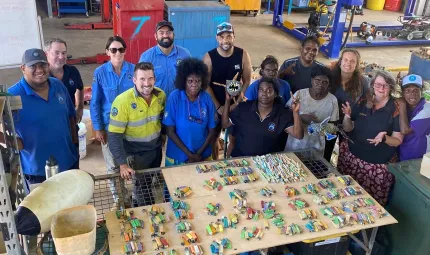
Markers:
(419, 66)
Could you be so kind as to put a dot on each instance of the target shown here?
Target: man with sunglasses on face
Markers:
(165, 57)
(224, 62)
(46, 124)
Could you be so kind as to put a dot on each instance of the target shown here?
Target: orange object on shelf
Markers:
(393, 5)
(244, 5)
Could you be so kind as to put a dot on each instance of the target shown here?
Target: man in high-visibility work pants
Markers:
(135, 132)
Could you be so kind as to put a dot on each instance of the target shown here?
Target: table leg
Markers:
(372, 240)
(365, 240)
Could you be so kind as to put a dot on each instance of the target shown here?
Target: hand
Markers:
(79, 113)
(378, 138)
(194, 158)
(101, 136)
(402, 102)
(289, 70)
(20, 143)
(295, 105)
(346, 109)
(220, 110)
(227, 96)
(126, 172)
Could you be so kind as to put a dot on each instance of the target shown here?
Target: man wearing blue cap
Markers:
(414, 119)
(224, 62)
(165, 57)
(47, 121)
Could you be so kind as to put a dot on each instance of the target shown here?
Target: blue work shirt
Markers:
(107, 85)
(72, 80)
(165, 66)
(44, 127)
(284, 90)
(178, 111)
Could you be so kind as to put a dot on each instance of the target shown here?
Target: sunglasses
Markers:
(224, 27)
(115, 50)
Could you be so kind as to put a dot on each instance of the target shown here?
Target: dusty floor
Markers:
(254, 34)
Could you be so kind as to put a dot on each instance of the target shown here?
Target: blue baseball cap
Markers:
(412, 79)
(224, 27)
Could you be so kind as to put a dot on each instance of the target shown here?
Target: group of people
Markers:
(169, 93)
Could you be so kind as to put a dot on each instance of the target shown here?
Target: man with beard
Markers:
(46, 124)
(56, 53)
(165, 57)
(297, 71)
(135, 131)
(224, 62)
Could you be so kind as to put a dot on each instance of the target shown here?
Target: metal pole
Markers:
(49, 2)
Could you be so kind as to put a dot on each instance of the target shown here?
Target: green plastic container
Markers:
(410, 205)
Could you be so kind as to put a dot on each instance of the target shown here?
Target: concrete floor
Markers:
(254, 34)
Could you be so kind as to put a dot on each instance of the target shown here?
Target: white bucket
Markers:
(82, 134)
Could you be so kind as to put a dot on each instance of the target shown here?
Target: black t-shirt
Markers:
(224, 69)
(255, 136)
(72, 80)
(367, 125)
(342, 96)
(302, 75)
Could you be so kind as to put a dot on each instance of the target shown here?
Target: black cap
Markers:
(34, 56)
(164, 23)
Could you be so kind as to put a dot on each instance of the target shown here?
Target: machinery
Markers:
(332, 47)
(367, 32)
(413, 28)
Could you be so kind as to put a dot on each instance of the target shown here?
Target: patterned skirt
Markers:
(374, 178)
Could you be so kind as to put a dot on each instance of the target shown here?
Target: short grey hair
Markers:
(49, 42)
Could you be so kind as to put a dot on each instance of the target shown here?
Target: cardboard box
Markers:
(425, 165)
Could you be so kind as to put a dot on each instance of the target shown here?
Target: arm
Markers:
(247, 70)
(116, 147)
(395, 139)
(225, 117)
(207, 60)
(296, 130)
(73, 132)
(79, 98)
(347, 123)
(405, 128)
(96, 103)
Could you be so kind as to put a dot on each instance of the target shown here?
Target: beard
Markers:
(165, 43)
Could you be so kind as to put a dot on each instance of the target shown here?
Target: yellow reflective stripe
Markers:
(142, 139)
(143, 121)
(116, 123)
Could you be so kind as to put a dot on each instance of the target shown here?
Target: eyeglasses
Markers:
(224, 27)
(115, 50)
(381, 85)
(194, 81)
(192, 118)
(319, 81)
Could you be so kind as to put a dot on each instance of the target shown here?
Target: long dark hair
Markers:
(354, 86)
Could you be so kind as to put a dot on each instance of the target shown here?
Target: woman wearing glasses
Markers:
(190, 117)
(110, 80)
(317, 104)
(373, 123)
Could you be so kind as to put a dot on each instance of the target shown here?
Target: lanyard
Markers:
(192, 118)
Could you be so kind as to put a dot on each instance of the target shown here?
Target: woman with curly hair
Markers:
(373, 123)
(348, 85)
(190, 116)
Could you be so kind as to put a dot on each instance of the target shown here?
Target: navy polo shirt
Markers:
(284, 90)
(301, 79)
(192, 131)
(72, 80)
(367, 125)
(255, 136)
(165, 66)
(44, 127)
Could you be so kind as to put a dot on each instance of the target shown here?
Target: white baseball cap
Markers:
(412, 79)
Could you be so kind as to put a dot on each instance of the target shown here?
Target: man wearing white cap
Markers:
(414, 119)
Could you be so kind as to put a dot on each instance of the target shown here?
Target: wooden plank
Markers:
(187, 175)
(270, 239)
